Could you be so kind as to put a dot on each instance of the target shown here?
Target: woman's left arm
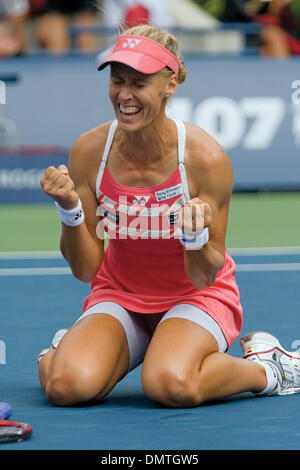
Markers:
(209, 210)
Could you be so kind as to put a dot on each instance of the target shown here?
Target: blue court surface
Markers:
(39, 296)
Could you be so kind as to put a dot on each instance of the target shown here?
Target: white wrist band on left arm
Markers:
(71, 217)
(195, 242)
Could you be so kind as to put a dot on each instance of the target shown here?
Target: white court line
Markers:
(262, 251)
(30, 255)
(253, 251)
(34, 271)
(56, 271)
(268, 267)
(271, 267)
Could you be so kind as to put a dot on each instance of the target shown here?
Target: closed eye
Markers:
(116, 81)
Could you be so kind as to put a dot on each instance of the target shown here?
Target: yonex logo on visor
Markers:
(131, 43)
(141, 53)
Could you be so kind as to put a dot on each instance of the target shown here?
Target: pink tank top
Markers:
(143, 266)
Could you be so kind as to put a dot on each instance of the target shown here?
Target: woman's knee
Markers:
(171, 387)
(70, 386)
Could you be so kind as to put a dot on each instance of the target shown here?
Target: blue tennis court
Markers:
(39, 296)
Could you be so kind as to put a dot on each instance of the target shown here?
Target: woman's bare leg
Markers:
(183, 367)
(89, 361)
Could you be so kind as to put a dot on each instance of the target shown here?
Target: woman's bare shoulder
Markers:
(86, 153)
(202, 147)
(91, 141)
(207, 162)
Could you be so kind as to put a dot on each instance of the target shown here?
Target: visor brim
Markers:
(141, 62)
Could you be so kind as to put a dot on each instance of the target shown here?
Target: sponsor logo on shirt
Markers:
(168, 193)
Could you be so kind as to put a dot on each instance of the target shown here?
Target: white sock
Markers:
(55, 342)
(272, 378)
(42, 354)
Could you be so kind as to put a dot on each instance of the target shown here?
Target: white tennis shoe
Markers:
(260, 346)
(56, 339)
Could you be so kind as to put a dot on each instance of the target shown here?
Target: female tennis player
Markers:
(163, 293)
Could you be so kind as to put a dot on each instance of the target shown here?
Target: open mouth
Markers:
(129, 111)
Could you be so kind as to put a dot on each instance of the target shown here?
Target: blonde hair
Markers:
(165, 39)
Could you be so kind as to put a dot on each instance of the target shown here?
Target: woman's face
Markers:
(138, 98)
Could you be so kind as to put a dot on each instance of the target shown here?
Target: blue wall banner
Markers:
(20, 177)
(249, 104)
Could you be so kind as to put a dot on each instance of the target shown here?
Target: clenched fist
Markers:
(57, 183)
(194, 216)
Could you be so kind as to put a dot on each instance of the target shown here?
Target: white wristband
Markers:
(195, 242)
(71, 217)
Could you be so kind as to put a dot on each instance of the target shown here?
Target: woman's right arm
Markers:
(79, 245)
